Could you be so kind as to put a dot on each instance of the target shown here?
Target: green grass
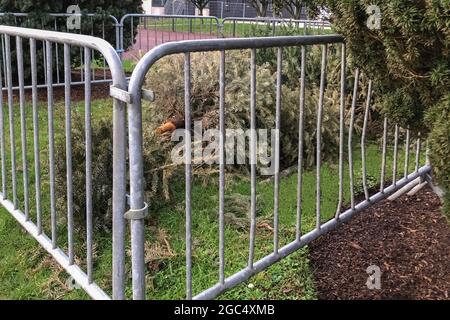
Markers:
(245, 29)
(27, 272)
(238, 29)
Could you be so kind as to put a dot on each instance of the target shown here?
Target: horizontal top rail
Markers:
(102, 46)
(272, 19)
(166, 16)
(63, 15)
(146, 62)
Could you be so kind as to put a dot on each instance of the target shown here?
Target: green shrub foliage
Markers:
(409, 60)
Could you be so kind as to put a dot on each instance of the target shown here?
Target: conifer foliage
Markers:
(408, 57)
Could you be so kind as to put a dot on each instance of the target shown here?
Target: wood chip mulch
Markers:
(408, 239)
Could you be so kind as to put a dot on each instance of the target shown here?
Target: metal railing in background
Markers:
(154, 30)
(239, 27)
(224, 9)
(149, 31)
(38, 216)
(341, 215)
(92, 24)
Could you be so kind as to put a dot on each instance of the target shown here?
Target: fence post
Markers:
(137, 203)
(118, 39)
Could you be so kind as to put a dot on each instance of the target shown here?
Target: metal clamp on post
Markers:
(137, 214)
(120, 94)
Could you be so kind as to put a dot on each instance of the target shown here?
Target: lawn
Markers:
(27, 272)
(230, 27)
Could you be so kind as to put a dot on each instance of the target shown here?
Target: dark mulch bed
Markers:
(99, 90)
(409, 239)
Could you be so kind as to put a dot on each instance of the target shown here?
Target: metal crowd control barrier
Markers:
(93, 25)
(238, 27)
(253, 267)
(41, 215)
(21, 206)
(157, 29)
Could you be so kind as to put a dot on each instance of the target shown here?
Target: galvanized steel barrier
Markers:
(53, 22)
(21, 207)
(157, 29)
(137, 177)
(133, 95)
(251, 26)
(149, 30)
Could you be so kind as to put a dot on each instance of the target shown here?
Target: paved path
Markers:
(147, 39)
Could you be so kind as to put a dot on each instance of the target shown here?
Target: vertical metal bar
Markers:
(394, 171)
(162, 31)
(276, 197)
(405, 174)
(88, 133)
(67, 95)
(137, 203)
(148, 36)
(119, 187)
(2, 135)
(103, 58)
(188, 168)
(222, 169)
(301, 144)
(119, 38)
(51, 141)
(11, 118)
(81, 65)
(92, 66)
(37, 161)
(139, 31)
(4, 59)
(23, 126)
(252, 156)
(56, 54)
(132, 28)
(383, 155)
(350, 137)
(319, 131)
(363, 140)
(341, 130)
(418, 146)
(44, 57)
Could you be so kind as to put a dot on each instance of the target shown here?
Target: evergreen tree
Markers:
(408, 57)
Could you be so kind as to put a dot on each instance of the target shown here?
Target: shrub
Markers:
(101, 170)
(439, 143)
(408, 58)
(167, 81)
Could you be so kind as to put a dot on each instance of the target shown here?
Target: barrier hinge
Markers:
(137, 214)
(120, 94)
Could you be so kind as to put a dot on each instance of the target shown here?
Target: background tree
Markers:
(293, 7)
(200, 5)
(260, 6)
(408, 58)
